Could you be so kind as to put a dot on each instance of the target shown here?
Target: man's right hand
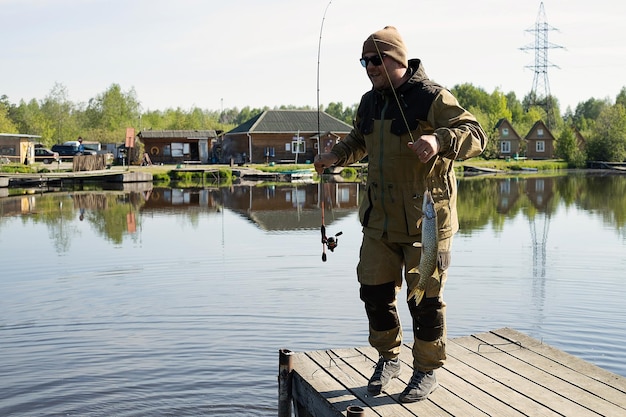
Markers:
(323, 161)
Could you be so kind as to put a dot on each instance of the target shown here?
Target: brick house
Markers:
(282, 136)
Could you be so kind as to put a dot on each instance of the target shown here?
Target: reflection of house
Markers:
(17, 147)
(271, 208)
(510, 142)
(540, 142)
(293, 207)
(187, 200)
(540, 192)
(175, 146)
(281, 136)
(508, 194)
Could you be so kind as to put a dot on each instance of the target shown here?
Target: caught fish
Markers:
(430, 247)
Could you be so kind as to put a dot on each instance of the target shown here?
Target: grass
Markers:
(514, 165)
(162, 172)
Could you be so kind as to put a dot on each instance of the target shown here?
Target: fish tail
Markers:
(418, 293)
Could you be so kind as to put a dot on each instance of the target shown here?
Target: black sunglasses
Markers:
(375, 60)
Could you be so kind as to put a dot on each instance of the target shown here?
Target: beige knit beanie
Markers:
(389, 42)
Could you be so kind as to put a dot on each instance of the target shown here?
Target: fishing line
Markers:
(406, 123)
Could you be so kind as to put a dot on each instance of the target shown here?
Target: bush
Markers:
(161, 177)
(349, 173)
(16, 168)
(222, 174)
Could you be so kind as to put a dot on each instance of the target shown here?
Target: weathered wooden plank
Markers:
(556, 376)
(579, 365)
(317, 390)
(494, 364)
(480, 391)
(463, 363)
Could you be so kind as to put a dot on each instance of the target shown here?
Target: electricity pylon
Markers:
(540, 93)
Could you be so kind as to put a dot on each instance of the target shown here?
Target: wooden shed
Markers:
(540, 142)
(179, 146)
(509, 141)
(282, 136)
(17, 147)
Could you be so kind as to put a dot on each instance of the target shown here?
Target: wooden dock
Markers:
(497, 373)
(49, 178)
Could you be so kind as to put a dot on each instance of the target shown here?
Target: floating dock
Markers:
(497, 373)
(50, 178)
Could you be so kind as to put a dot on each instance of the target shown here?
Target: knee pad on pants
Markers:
(428, 319)
(380, 305)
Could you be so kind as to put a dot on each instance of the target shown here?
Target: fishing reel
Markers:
(329, 242)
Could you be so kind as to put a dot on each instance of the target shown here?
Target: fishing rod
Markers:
(327, 242)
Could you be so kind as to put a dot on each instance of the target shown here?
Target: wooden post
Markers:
(355, 411)
(285, 367)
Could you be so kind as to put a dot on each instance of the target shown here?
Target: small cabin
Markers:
(540, 142)
(509, 141)
(18, 148)
(180, 146)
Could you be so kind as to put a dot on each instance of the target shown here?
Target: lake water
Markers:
(175, 302)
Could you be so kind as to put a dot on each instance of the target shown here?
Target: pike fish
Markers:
(430, 248)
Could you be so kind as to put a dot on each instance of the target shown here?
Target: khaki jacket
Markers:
(396, 179)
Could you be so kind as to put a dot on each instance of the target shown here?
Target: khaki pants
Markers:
(382, 267)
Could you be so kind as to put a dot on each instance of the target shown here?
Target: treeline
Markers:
(104, 118)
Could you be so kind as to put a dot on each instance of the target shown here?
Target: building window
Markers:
(298, 145)
(540, 132)
(505, 146)
(177, 149)
(540, 146)
(505, 132)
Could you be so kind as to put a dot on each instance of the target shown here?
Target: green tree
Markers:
(608, 141)
(246, 114)
(587, 112)
(30, 119)
(57, 109)
(6, 124)
(568, 150)
(621, 97)
(110, 113)
(338, 111)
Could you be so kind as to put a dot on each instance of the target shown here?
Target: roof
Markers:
(503, 121)
(19, 135)
(276, 121)
(539, 124)
(182, 134)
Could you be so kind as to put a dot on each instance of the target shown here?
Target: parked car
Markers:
(71, 150)
(46, 155)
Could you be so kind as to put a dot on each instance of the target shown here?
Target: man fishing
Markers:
(411, 129)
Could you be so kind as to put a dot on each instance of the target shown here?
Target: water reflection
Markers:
(482, 202)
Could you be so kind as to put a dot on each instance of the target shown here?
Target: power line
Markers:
(540, 93)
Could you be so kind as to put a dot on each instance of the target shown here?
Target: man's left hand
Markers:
(425, 147)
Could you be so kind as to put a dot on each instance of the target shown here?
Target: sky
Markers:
(228, 54)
